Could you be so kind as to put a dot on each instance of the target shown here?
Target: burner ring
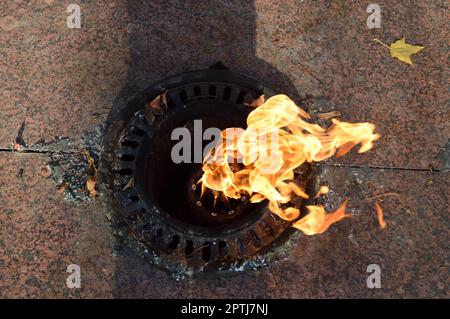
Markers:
(165, 238)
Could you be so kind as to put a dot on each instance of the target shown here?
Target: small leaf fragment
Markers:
(89, 158)
(129, 184)
(328, 115)
(257, 102)
(92, 179)
(62, 188)
(158, 103)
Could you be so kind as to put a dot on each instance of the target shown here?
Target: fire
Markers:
(380, 216)
(259, 162)
(316, 222)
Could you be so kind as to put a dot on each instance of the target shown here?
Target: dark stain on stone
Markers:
(420, 211)
(19, 138)
(28, 255)
(20, 173)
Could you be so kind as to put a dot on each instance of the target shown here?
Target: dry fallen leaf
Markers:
(62, 188)
(328, 115)
(380, 216)
(89, 158)
(402, 50)
(158, 103)
(257, 102)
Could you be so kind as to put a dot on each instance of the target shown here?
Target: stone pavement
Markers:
(58, 86)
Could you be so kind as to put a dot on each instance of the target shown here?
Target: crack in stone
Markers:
(431, 170)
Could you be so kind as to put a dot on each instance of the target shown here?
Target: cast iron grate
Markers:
(155, 200)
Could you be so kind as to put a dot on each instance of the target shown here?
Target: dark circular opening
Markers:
(173, 188)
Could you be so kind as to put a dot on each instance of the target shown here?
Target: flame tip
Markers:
(277, 140)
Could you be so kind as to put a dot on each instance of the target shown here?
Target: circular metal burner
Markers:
(156, 201)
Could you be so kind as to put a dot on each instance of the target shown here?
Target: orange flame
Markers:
(380, 216)
(260, 161)
(316, 222)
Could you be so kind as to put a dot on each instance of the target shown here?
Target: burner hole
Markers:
(125, 171)
(223, 247)
(159, 232)
(241, 97)
(189, 249)
(174, 243)
(197, 91)
(137, 131)
(226, 93)
(132, 144)
(183, 96)
(206, 252)
(212, 90)
(127, 157)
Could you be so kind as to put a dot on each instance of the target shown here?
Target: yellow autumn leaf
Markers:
(402, 50)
